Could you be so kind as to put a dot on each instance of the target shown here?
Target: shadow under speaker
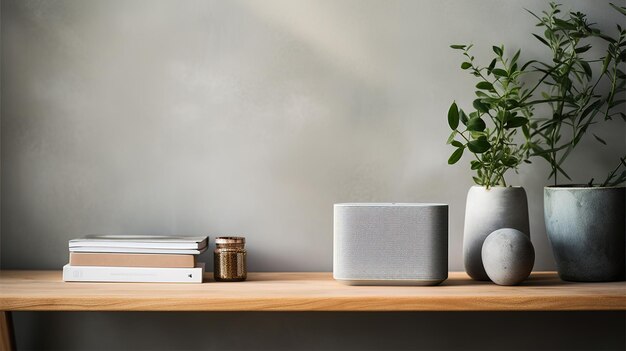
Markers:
(390, 244)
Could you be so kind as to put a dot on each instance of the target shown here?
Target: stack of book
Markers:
(133, 258)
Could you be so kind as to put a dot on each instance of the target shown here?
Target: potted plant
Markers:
(490, 133)
(584, 223)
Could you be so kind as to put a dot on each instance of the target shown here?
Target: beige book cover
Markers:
(132, 260)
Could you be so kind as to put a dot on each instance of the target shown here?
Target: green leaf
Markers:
(453, 116)
(516, 122)
(541, 40)
(564, 24)
(464, 118)
(586, 68)
(559, 170)
(491, 65)
(622, 10)
(606, 37)
(527, 64)
(456, 156)
(476, 165)
(484, 85)
(502, 116)
(476, 135)
(512, 103)
(515, 57)
(582, 49)
(510, 161)
(620, 179)
(592, 107)
(458, 47)
(451, 137)
(497, 50)
(476, 125)
(599, 139)
(479, 146)
(466, 65)
(489, 101)
(605, 64)
(478, 105)
(526, 131)
(498, 156)
(456, 143)
(499, 72)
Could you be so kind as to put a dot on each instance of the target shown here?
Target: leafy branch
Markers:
(614, 178)
(571, 91)
(499, 111)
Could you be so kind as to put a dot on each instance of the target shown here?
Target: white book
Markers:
(141, 241)
(132, 274)
(137, 250)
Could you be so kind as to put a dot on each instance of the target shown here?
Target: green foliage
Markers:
(578, 90)
(500, 111)
(575, 97)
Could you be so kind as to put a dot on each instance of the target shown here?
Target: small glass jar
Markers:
(229, 259)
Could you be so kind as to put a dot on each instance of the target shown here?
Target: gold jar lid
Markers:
(230, 240)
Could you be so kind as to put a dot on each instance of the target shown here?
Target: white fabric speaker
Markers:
(390, 244)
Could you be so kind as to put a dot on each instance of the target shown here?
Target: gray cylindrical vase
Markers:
(487, 210)
(586, 229)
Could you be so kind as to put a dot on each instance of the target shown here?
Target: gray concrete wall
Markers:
(253, 118)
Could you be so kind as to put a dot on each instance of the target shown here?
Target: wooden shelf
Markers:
(45, 291)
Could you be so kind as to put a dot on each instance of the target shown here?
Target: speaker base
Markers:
(396, 282)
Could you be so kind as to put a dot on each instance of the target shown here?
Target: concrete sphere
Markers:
(508, 256)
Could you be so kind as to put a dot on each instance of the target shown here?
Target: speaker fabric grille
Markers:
(390, 242)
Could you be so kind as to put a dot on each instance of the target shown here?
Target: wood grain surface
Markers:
(543, 291)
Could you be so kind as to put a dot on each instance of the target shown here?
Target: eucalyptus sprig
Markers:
(499, 112)
(576, 98)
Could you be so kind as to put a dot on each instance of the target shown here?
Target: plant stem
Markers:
(612, 174)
